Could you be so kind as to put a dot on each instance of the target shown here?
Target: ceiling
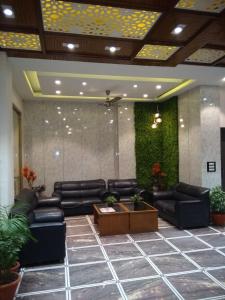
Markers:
(140, 30)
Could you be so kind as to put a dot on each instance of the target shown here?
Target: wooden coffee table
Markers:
(110, 223)
(142, 218)
(126, 218)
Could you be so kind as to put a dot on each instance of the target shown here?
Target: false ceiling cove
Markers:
(141, 32)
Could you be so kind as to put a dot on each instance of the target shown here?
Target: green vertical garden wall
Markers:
(156, 145)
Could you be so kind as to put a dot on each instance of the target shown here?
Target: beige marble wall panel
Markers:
(126, 132)
(210, 135)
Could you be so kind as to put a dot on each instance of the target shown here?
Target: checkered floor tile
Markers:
(168, 264)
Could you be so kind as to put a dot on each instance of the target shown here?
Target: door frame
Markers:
(15, 108)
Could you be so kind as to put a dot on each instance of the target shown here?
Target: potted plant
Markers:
(137, 199)
(110, 200)
(29, 175)
(217, 201)
(14, 233)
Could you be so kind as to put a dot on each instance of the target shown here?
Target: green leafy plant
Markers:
(217, 200)
(136, 198)
(14, 233)
(110, 200)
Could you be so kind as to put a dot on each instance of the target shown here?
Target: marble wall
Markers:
(78, 141)
(199, 136)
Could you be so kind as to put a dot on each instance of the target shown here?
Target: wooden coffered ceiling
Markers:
(141, 30)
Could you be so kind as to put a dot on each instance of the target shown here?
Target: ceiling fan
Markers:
(109, 102)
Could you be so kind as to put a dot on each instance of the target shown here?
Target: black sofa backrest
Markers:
(77, 189)
(191, 191)
(123, 186)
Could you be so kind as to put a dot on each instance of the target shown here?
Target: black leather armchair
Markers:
(78, 197)
(123, 189)
(186, 206)
(47, 226)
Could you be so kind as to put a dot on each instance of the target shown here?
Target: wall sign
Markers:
(211, 166)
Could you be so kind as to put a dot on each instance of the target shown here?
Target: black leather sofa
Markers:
(186, 206)
(78, 197)
(123, 189)
(46, 222)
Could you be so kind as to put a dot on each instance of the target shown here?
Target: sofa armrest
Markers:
(162, 195)
(47, 215)
(104, 194)
(49, 202)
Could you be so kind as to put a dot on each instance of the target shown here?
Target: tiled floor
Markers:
(168, 264)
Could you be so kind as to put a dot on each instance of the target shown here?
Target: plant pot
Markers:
(15, 268)
(110, 204)
(7, 291)
(218, 219)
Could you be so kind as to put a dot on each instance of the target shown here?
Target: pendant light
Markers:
(157, 119)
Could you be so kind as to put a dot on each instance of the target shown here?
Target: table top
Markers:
(141, 206)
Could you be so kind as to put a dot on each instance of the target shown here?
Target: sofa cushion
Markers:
(79, 185)
(47, 214)
(70, 203)
(166, 205)
(122, 183)
(195, 191)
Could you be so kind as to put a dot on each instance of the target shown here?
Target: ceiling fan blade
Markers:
(115, 99)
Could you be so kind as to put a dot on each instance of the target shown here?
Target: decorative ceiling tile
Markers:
(15, 40)
(206, 56)
(157, 52)
(215, 6)
(61, 16)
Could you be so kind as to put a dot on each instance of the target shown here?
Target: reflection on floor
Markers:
(168, 264)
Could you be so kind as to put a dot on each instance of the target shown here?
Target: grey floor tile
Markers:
(81, 241)
(215, 240)
(220, 228)
(89, 274)
(75, 230)
(109, 292)
(48, 296)
(41, 280)
(84, 255)
(172, 232)
(196, 286)
(149, 289)
(219, 274)
(202, 230)
(122, 238)
(133, 268)
(164, 223)
(73, 222)
(122, 251)
(145, 236)
(208, 258)
(222, 250)
(172, 263)
(156, 247)
(188, 243)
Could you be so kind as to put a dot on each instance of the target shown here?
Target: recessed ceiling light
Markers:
(145, 95)
(59, 112)
(126, 108)
(69, 132)
(158, 87)
(121, 112)
(111, 122)
(58, 107)
(64, 119)
(182, 125)
(181, 120)
(81, 93)
(58, 82)
(211, 104)
(57, 153)
(128, 119)
(204, 99)
(70, 46)
(67, 126)
(112, 49)
(178, 29)
(75, 108)
(84, 83)
(46, 121)
(223, 79)
(135, 86)
(109, 109)
(78, 119)
(124, 95)
(8, 11)
(58, 92)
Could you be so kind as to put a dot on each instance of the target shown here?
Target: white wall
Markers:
(95, 149)
(7, 97)
(203, 111)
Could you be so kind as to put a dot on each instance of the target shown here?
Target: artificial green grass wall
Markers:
(156, 145)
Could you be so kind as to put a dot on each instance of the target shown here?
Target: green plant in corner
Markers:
(110, 200)
(14, 233)
(136, 199)
(217, 202)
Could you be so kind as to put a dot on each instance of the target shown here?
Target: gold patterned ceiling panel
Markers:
(206, 56)
(156, 52)
(15, 40)
(68, 17)
(215, 6)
